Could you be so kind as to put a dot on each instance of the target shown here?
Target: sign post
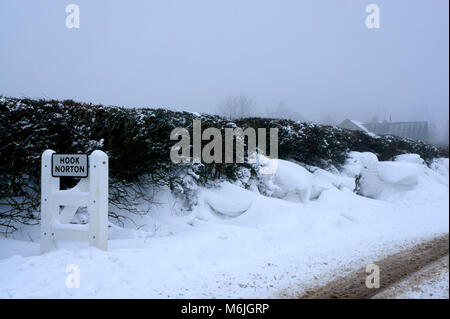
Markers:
(59, 206)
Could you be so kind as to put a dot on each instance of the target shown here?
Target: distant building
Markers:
(418, 130)
(353, 125)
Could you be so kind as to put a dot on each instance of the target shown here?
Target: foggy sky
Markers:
(316, 56)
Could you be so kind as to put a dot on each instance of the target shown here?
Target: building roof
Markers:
(360, 125)
(353, 125)
(415, 130)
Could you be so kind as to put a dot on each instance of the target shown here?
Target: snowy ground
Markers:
(432, 282)
(238, 243)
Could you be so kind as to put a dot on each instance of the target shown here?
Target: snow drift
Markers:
(380, 179)
(237, 242)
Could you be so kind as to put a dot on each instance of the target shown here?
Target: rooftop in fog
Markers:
(417, 130)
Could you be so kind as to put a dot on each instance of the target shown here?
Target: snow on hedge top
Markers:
(291, 179)
(357, 161)
(398, 173)
(410, 158)
(228, 203)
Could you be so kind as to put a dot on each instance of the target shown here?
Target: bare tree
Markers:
(283, 111)
(328, 119)
(237, 106)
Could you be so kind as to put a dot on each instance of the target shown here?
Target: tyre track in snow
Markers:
(392, 269)
(429, 282)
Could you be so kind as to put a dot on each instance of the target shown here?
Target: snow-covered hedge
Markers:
(138, 143)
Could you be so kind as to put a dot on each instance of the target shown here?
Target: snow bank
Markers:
(229, 202)
(385, 179)
(237, 243)
(324, 180)
(289, 181)
(398, 173)
(410, 158)
(292, 181)
(441, 168)
(357, 161)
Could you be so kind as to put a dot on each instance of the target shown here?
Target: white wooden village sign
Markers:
(59, 206)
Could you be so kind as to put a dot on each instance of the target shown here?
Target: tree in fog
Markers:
(237, 106)
(282, 111)
(328, 119)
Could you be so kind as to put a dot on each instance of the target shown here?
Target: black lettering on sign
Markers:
(70, 165)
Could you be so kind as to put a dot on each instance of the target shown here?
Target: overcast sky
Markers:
(316, 55)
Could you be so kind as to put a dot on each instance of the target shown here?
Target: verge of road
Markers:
(393, 269)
